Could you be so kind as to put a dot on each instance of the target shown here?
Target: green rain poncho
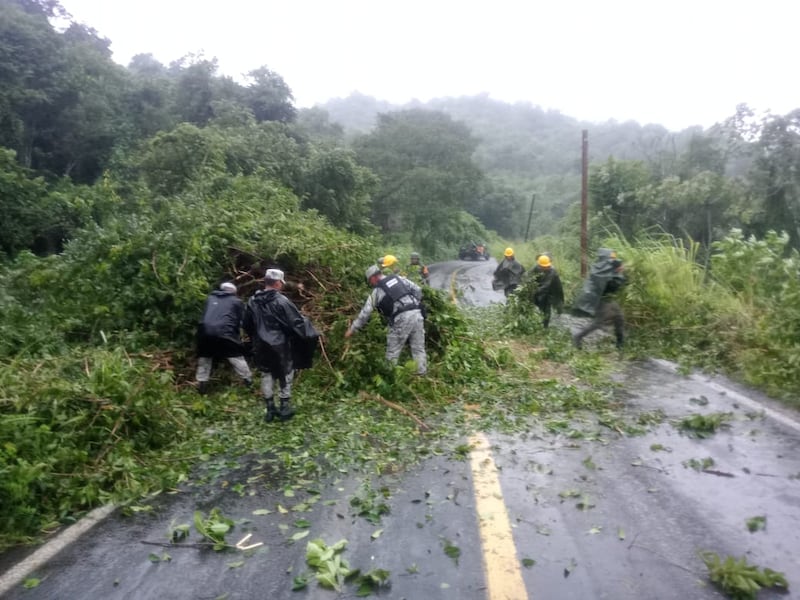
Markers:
(603, 272)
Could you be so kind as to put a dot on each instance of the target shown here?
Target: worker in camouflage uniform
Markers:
(398, 300)
(417, 272)
(596, 299)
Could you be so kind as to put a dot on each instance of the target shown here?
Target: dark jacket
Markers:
(605, 278)
(509, 272)
(281, 336)
(218, 333)
(548, 290)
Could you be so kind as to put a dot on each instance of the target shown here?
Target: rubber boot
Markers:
(202, 387)
(272, 411)
(287, 412)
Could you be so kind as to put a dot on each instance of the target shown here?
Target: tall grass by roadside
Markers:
(741, 316)
(738, 312)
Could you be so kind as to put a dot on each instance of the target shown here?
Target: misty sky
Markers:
(676, 63)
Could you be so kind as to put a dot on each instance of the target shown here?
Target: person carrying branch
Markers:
(548, 293)
(508, 273)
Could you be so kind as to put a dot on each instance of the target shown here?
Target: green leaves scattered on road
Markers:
(369, 503)
(756, 523)
(332, 571)
(451, 550)
(699, 464)
(330, 568)
(704, 426)
(214, 527)
(740, 580)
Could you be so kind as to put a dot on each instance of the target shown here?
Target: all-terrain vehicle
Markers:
(473, 251)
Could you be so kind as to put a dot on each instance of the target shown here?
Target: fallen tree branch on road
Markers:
(420, 423)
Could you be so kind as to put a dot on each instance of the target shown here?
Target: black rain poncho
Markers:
(218, 333)
(283, 339)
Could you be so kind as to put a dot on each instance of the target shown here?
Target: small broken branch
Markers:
(324, 353)
(718, 473)
(420, 423)
(178, 545)
(319, 283)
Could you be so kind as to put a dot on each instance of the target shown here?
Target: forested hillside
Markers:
(128, 193)
(69, 114)
(524, 150)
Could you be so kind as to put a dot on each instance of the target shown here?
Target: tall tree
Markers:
(499, 207)
(704, 207)
(424, 162)
(316, 124)
(703, 154)
(32, 81)
(149, 97)
(60, 94)
(614, 191)
(339, 188)
(88, 127)
(195, 88)
(269, 97)
(173, 160)
(776, 174)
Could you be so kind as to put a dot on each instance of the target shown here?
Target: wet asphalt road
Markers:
(605, 517)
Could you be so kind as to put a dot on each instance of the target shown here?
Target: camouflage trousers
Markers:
(284, 384)
(608, 313)
(408, 327)
(238, 363)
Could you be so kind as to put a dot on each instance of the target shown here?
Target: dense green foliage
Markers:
(424, 162)
(128, 193)
(740, 314)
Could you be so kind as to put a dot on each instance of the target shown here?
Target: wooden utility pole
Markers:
(530, 214)
(584, 200)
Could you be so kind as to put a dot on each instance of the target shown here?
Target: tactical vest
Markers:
(395, 289)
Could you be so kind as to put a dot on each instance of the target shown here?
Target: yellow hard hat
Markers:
(388, 261)
(544, 261)
(509, 252)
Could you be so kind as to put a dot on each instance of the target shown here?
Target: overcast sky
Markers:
(677, 62)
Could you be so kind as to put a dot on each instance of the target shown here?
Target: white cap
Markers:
(274, 275)
(228, 287)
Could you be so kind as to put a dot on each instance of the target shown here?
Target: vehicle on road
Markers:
(473, 251)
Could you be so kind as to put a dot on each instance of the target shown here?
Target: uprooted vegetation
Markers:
(103, 333)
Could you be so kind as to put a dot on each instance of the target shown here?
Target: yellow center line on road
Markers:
(500, 562)
(453, 286)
